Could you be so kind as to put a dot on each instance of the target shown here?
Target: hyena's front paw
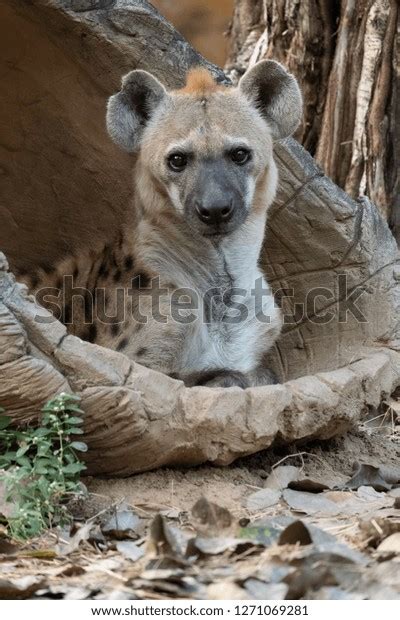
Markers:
(262, 376)
(224, 378)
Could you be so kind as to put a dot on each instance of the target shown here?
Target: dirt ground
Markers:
(179, 489)
(317, 521)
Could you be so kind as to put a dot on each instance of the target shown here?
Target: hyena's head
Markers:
(209, 148)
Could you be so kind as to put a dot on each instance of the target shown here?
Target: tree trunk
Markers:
(346, 57)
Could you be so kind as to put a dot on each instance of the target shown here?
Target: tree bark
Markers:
(346, 58)
(60, 162)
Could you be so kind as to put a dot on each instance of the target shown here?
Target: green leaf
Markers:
(23, 461)
(68, 397)
(9, 456)
(74, 420)
(73, 468)
(43, 467)
(44, 448)
(5, 421)
(42, 471)
(75, 430)
(74, 408)
(78, 445)
(42, 432)
(22, 450)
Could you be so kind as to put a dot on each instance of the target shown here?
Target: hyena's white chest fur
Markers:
(233, 335)
(238, 319)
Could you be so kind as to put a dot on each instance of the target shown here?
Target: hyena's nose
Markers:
(214, 214)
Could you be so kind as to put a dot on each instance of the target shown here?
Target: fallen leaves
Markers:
(368, 475)
(130, 550)
(166, 541)
(282, 543)
(287, 476)
(123, 523)
(282, 476)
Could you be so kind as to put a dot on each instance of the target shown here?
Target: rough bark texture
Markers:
(66, 184)
(346, 57)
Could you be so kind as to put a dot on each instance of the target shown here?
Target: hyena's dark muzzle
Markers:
(216, 202)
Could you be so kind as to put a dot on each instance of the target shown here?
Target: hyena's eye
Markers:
(177, 161)
(240, 156)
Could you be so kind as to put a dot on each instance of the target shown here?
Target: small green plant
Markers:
(40, 469)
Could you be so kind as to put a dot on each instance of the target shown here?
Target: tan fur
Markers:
(200, 82)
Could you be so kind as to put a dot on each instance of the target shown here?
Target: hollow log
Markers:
(332, 261)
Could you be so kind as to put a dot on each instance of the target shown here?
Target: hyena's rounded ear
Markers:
(129, 110)
(276, 95)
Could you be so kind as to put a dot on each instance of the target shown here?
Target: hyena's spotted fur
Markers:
(204, 178)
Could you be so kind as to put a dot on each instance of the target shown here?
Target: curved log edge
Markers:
(137, 419)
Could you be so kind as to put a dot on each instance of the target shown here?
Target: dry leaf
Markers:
(260, 500)
(165, 540)
(288, 476)
(367, 475)
(211, 515)
(295, 533)
(281, 476)
(390, 473)
(82, 534)
(130, 550)
(123, 523)
(215, 546)
(390, 544)
(310, 503)
(309, 485)
(332, 503)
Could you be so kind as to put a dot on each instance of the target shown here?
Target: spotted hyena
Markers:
(181, 291)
